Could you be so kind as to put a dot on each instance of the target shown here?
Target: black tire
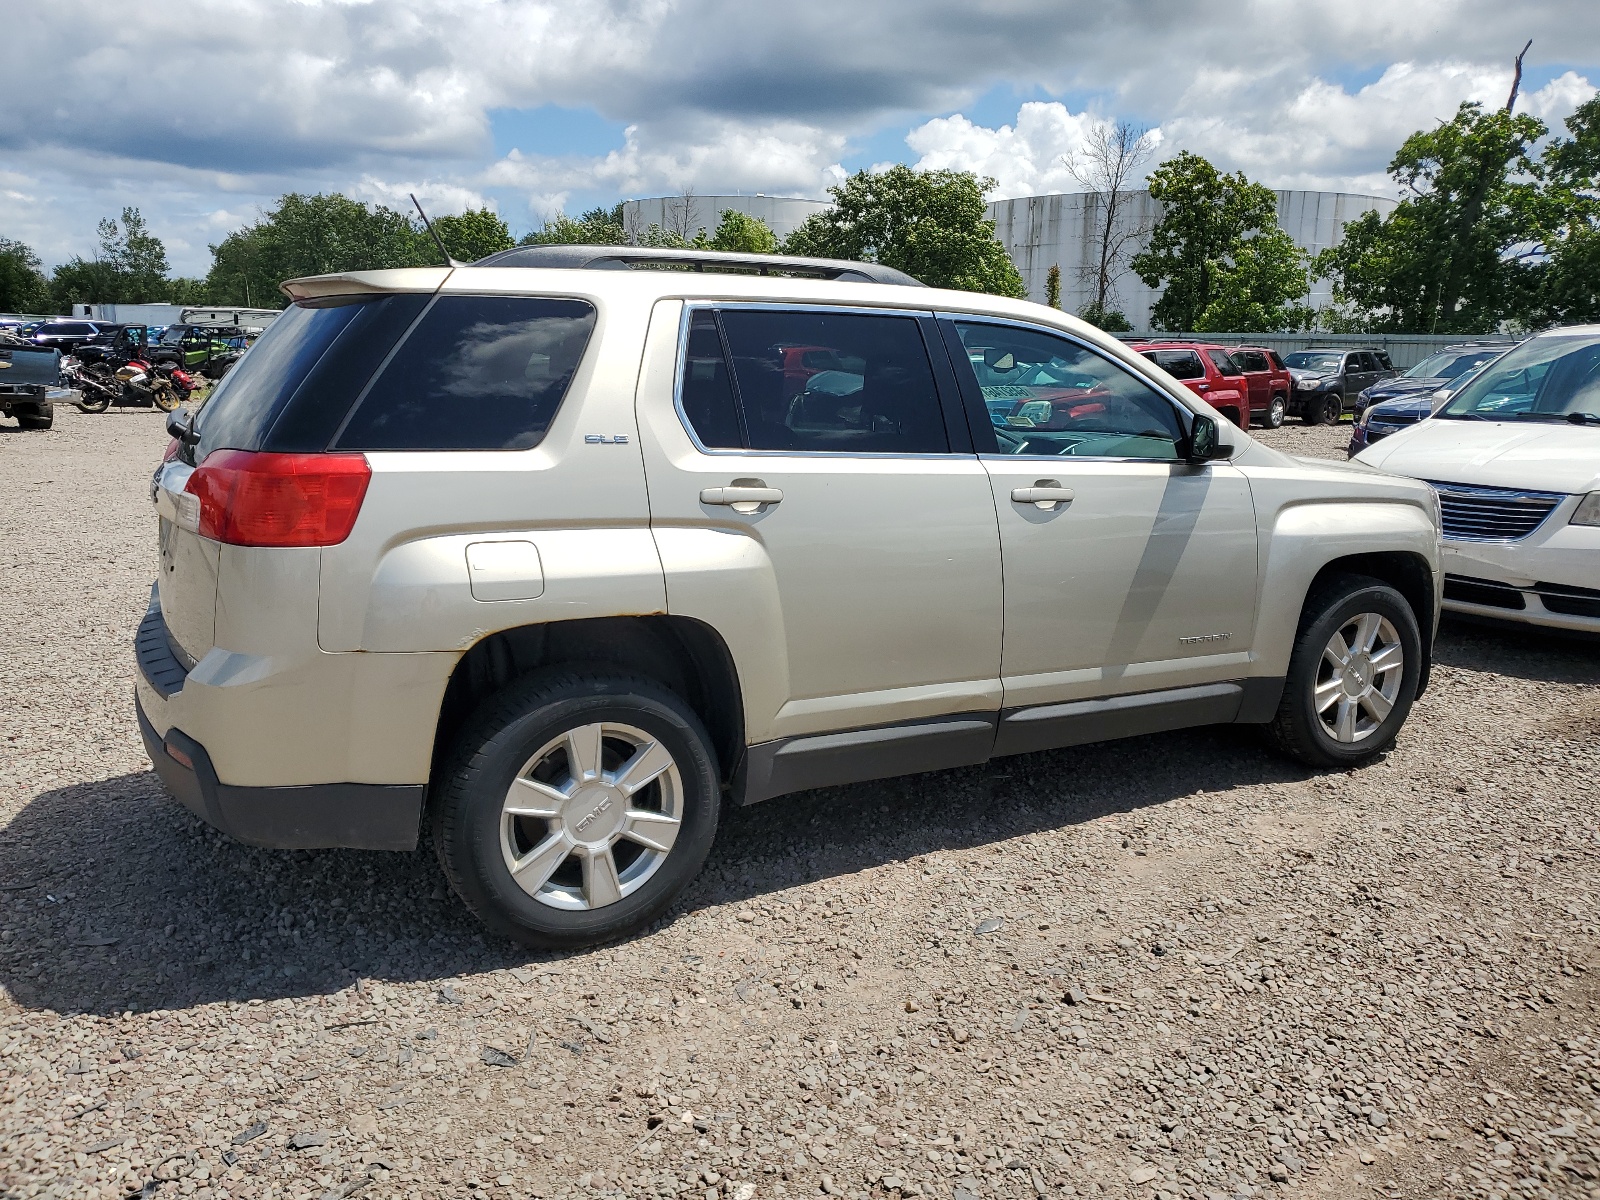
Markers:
(39, 420)
(493, 750)
(1334, 606)
(96, 397)
(1330, 409)
(1276, 409)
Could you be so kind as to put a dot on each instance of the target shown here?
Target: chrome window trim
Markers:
(699, 304)
(1090, 347)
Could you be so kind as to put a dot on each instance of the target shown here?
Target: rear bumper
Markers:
(356, 816)
(360, 816)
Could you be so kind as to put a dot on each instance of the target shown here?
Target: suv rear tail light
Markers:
(256, 499)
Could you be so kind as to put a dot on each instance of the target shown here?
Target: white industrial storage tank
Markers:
(688, 214)
(1037, 231)
(1044, 231)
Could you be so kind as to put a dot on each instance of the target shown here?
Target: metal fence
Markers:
(1404, 349)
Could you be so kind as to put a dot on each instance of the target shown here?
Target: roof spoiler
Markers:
(365, 283)
(623, 258)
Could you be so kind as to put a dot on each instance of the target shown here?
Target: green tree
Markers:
(184, 290)
(1446, 259)
(79, 279)
(1261, 287)
(596, 227)
(1206, 218)
(23, 286)
(929, 224)
(1568, 287)
(469, 236)
(312, 235)
(138, 257)
(130, 267)
(1052, 286)
(1112, 320)
(740, 233)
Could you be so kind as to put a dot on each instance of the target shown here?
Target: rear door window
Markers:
(477, 373)
(868, 387)
(706, 389)
(1250, 360)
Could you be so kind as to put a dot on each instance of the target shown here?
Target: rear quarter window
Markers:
(477, 373)
(293, 388)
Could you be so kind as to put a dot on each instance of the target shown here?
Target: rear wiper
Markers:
(1584, 418)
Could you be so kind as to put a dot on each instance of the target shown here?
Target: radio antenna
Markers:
(434, 233)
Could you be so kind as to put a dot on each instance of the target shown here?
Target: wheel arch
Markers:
(1405, 571)
(686, 656)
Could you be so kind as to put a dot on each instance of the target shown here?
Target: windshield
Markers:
(1547, 379)
(1449, 364)
(1311, 360)
(173, 336)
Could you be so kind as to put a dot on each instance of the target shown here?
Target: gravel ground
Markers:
(1173, 966)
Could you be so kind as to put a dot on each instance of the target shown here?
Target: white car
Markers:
(1515, 459)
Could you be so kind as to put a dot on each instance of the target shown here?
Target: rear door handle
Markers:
(741, 499)
(1044, 494)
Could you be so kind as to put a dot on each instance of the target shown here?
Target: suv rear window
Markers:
(319, 357)
(477, 373)
(1180, 364)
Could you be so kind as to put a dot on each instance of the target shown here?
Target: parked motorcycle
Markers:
(164, 385)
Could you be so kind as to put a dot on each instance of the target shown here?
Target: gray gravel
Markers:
(1175, 966)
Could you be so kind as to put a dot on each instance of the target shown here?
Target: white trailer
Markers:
(176, 314)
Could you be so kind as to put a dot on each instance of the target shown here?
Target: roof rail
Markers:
(647, 258)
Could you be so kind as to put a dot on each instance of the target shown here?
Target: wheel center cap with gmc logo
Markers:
(594, 814)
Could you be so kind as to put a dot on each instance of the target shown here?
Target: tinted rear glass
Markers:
(874, 395)
(1180, 364)
(319, 358)
(478, 373)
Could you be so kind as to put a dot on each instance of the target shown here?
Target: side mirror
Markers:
(180, 425)
(1205, 443)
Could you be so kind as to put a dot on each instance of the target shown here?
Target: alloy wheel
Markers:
(1275, 412)
(1359, 677)
(591, 816)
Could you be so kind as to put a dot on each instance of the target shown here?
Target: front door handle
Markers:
(1045, 494)
(741, 498)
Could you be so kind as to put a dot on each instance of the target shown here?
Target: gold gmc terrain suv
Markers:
(557, 554)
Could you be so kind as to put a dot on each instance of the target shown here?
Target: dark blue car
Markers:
(1411, 396)
(1378, 418)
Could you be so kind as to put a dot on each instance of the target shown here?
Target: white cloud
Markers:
(1319, 137)
(712, 156)
(437, 196)
(347, 95)
(1028, 158)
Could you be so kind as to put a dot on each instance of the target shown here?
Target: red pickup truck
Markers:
(1208, 372)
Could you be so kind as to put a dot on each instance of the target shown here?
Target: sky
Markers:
(201, 112)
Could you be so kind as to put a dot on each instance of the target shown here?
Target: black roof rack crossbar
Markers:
(646, 257)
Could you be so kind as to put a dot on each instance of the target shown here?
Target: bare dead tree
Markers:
(1107, 164)
(1516, 79)
(683, 214)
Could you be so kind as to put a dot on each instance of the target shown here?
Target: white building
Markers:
(1041, 231)
(688, 215)
(1038, 232)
